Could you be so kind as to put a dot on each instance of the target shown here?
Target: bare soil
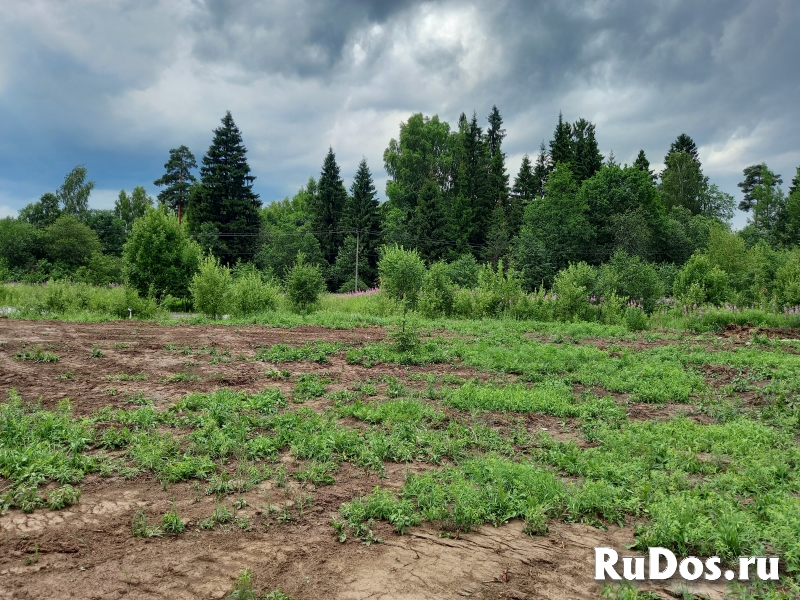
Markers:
(88, 550)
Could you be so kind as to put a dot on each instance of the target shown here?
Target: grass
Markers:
(318, 352)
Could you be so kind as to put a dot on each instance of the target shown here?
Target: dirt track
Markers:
(87, 550)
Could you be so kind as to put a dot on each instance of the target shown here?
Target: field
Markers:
(485, 459)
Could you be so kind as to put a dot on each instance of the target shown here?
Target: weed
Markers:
(177, 377)
(140, 528)
(221, 515)
(63, 496)
(318, 473)
(65, 376)
(311, 351)
(340, 528)
(243, 589)
(37, 355)
(121, 346)
(276, 595)
(625, 591)
(97, 352)
(33, 557)
(282, 374)
(310, 386)
(171, 522)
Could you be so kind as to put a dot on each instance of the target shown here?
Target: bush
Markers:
(250, 294)
(70, 242)
(436, 297)
(572, 287)
(698, 281)
(402, 273)
(101, 270)
(635, 318)
(211, 287)
(159, 255)
(787, 281)
(632, 278)
(304, 283)
(463, 271)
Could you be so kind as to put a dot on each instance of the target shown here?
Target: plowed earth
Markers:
(88, 551)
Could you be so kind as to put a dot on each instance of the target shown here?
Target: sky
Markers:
(114, 84)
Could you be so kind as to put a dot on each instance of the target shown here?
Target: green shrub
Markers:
(250, 294)
(572, 287)
(787, 281)
(612, 309)
(402, 273)
(463, 271)
(211, 287)
(160, 255)
(499, 290)
(436, 297)
(635, 318)
(698, 282)
(631, 278)
(304, 283)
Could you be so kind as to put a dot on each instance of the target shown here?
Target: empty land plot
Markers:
(153, 461)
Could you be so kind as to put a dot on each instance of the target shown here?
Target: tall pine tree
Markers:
(178, 180)
(327, 206)
(223, 208)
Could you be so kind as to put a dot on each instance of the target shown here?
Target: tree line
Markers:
(449, 196)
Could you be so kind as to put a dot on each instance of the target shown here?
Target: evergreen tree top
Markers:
(561, 144)
(683, 143)
(795, 182)
(495, 133)
(225, 167)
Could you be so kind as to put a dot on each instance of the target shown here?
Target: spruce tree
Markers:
(497, 237)
(360, 210)
(429, 223)
(476, 180)
(795, 182)
(223, 207)
(360, 214)
(178, 180)
(497, 184)
(561, 150)
(643, 164)
(522, 194)
(587, 159)
(327, 206)
(684, 143)
(541, 171)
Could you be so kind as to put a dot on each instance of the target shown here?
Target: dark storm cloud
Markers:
(294, 37)
(115, 85)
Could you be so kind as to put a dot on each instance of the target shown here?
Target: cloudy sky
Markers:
(114, 84)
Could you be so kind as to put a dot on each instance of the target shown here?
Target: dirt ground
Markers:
(88, 551)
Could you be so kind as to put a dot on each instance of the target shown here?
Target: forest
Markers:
(574, 234)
